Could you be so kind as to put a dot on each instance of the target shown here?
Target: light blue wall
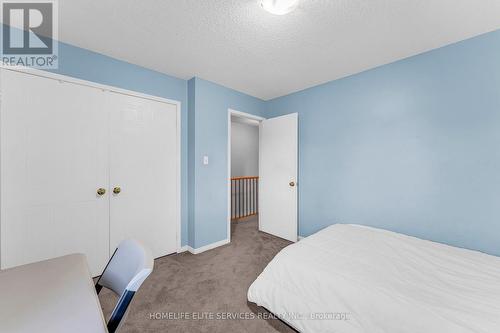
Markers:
(412, 147)
(87, 65)
(209, 137)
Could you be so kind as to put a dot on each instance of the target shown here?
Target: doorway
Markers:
(243, 169)
(262, 173)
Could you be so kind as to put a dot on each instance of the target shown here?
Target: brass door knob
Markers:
(117, 190)
(101, 191)
(292, 184)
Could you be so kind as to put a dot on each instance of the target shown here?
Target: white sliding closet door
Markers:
(143, 164)
(54, 156)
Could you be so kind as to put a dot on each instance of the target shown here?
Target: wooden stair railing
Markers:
(244, 197)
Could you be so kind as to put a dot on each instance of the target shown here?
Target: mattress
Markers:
(351, 278)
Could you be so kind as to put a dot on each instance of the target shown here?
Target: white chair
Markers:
(127, 269)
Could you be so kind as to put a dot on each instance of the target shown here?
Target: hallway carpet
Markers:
(197, 293)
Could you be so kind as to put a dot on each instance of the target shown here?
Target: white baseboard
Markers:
(183, 249)
(301, 238)
(207, 247)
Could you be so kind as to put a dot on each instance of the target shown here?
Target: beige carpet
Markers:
(209, 285)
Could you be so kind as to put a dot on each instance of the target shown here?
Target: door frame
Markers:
(64, 78)
(231, 112)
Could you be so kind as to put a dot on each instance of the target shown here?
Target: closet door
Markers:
(53, 160)
(143, 165)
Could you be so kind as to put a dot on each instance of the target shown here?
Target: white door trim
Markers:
(69, 79)
(231, 112)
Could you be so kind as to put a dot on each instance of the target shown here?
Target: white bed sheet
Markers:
(383, 282)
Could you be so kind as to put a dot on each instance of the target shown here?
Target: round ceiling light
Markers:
(279, 7)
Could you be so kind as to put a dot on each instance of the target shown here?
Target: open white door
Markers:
(278, 176)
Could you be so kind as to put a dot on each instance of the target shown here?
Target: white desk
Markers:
(54, 296)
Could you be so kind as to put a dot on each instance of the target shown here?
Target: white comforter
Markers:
(363, 279)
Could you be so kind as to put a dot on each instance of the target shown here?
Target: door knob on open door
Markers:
(101, 191)
(292, 184)
(117, 190)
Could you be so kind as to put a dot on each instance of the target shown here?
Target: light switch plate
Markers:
(205, 160)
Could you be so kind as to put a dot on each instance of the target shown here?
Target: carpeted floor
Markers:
(213, 283)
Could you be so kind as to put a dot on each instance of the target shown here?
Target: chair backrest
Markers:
(127, 269)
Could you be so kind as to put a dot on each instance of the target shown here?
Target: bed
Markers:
(351, 278)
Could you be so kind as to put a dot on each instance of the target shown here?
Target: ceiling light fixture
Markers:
(279, 7)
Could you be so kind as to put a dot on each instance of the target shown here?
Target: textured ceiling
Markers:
(237, 44)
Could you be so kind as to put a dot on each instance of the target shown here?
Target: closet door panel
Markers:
(54, 156)
(143, 163)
